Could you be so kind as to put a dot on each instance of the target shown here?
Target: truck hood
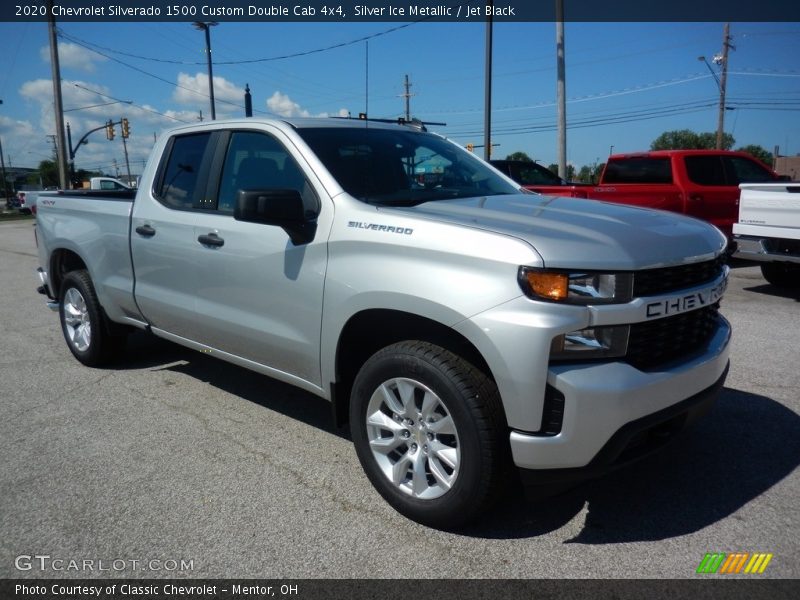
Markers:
(586, 234)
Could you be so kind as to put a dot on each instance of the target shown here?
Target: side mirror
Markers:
(281, 207)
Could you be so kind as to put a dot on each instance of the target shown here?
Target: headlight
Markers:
(591, 343)
(576, 288)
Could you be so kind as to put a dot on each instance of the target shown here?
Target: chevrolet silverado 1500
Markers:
(462, 328)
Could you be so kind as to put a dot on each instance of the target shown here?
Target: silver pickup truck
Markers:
(460, 326)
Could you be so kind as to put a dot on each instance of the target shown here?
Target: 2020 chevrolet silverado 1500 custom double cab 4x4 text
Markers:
(461, 326)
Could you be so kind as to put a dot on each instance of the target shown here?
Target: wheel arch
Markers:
(368, 331)
(63, 261)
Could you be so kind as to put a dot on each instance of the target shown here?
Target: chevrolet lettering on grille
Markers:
(686, 303)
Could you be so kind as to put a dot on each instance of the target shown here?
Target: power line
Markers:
(150, 110)
(143, 72)
(247, 61)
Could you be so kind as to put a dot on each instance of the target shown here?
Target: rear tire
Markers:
(85, 327)
(430, 432)
(783, 275)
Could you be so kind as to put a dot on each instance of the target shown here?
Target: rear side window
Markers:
(180, 184)
(743, 170)
(706, 170)
(644, 169)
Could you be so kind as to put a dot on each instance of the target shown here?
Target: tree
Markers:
(585, 174)
(686, 139)
(758, 152)
(519, 156)
(708, 141)
(570, 171)
(47, 175)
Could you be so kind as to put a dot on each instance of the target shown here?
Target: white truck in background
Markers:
(105, 183)
(768, 230)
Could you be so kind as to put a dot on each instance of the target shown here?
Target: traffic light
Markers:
(110, 130)
(126, 131)
(471, 147)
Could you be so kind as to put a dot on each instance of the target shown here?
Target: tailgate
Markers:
(771, 205)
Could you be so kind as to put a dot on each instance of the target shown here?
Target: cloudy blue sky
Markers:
(626, 83)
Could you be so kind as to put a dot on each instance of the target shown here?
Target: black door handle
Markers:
(145, 230)
(212, 239)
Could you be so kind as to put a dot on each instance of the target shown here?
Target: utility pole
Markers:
(487, 101)
(61, 153)
(723, 80)
(561, 91)
(407, 96)
(3, 165)
(206, 27)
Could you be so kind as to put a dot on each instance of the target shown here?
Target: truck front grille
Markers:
(652, 282)
(655, 343)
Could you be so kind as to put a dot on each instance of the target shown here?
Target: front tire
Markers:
(429, 430)
(83, 323)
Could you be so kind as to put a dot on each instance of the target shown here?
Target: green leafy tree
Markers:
(585, 174)
(48, 174)
(570, 170)
(708, 140)
(519, 156)
(758, 152)
(686, 139)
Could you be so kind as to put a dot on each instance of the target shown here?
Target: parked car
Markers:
(528, 174)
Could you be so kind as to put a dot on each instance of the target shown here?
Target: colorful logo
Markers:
(734, 562)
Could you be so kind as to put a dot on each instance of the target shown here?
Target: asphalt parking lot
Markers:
(174, 457)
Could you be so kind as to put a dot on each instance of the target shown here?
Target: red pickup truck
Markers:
(699, 183)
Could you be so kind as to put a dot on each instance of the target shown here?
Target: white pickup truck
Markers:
(461, 326)
(768, 230)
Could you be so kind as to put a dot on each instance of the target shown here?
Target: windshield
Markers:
(401, 167)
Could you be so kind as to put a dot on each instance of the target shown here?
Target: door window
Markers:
(256, 161)
(705, 170)
(180, 184)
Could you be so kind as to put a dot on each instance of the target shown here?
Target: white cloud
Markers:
(193, 90)
(282, 105)
(72, 56)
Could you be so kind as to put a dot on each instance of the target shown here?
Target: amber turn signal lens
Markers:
(553, 286)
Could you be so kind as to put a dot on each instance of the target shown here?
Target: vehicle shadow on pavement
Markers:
(145, 351)
(775, 291)
(744, 446)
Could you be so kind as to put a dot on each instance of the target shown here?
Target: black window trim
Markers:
(221, 155)
(204, 173)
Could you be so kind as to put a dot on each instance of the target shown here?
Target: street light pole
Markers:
(206, 27)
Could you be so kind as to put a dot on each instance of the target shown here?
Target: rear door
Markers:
(709, 193)
(166, 256)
